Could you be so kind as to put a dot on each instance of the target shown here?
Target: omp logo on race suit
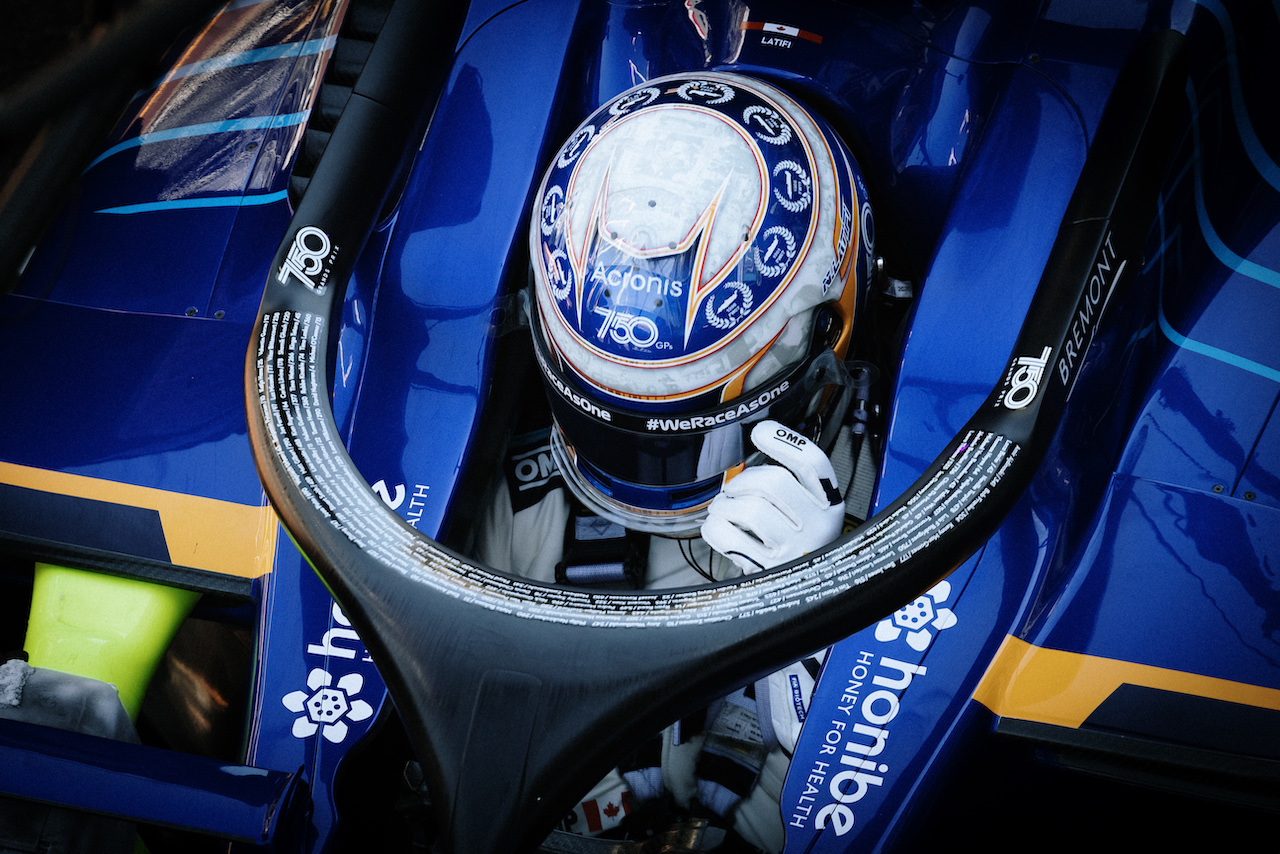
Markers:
(850, 764)
(725, 416)
(1022, 382)
(535, 468)
(531, 472)
(307, 257)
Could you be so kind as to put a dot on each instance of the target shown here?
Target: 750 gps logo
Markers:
(307, 256)
(630, 330)
(1022, 383)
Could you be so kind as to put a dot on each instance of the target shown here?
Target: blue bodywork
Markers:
(1125, 617)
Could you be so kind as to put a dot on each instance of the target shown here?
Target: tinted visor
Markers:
(666, 462)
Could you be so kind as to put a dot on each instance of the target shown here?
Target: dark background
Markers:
(67, 69)
(32, 33)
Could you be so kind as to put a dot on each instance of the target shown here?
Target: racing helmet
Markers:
(699, 247)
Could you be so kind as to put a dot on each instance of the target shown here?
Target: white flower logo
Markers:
(327, 708)
(918, 618)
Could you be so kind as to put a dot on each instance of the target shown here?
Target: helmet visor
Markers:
(663, 464)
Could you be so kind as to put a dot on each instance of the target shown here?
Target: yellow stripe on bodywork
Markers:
(201, 533)
(1049, 686)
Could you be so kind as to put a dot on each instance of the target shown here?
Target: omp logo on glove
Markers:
(791, 437)
(771, 514)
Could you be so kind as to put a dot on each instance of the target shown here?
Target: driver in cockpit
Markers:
(699, 248)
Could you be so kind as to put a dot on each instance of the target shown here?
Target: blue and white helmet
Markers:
(700, 242)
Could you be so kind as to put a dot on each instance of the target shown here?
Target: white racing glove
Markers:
(772, 514)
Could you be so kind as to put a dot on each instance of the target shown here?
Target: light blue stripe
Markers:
(1252, 145)
(1214, 352)
(208, 202)
(249, 57)
(1224, 253)
(204, 129)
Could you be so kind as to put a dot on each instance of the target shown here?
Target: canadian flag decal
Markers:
(605, 813)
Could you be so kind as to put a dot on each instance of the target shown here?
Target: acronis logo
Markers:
(619, 279)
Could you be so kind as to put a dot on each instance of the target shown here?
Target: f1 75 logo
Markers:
(311, 248)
